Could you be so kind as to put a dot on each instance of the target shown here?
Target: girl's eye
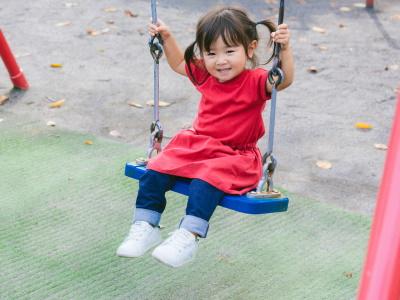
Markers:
(210, 54)
(230, 51)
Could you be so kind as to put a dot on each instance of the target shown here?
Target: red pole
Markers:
(16, 75)
(369, 3)
(381, 274)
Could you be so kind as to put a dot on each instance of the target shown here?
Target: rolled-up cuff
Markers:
(195, 225)
(147, 215)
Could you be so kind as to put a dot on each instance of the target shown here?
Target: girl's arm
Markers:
(172, 50)
(282, 37)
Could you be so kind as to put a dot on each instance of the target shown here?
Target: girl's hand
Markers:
(159, 28)
(281, 36)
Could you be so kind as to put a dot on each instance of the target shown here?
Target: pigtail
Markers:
(271, 27)
(191, 58)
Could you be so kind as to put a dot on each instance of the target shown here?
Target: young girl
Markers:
(219, 154)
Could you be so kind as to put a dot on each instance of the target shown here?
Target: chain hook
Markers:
(156, 50)
(156, 136)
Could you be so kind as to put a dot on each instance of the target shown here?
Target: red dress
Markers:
(221, 147)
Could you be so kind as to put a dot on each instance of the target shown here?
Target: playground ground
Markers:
(65, 204)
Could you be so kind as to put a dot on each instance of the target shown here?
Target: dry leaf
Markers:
(3, 99)
(323, 48)
(129, 13)
(324, 164)
(51, 123)
(342, 25)
(92, 32)
(345, 9)
(312, 69)
(56, 65)
(115, 133)
(348, 274)
(395, 18)
(359, 5)
(70, 4)
(111, 22)
(270, 1)
(57, 104)
(22, 55)
(88, 142)
(110, 9)
(62, 24)
(160, 103)
(363, 125)
(134, 104)
(318, 29)
(380, 146)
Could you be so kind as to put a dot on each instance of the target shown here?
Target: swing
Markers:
(254, 202)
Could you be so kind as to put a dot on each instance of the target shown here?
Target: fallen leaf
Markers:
(110, 9)
(115, 133)
(70, 4)
(348, 274)
(134, 104)
(111, 22)
(359, 5)
(105, 30)
(345, 9)
(22, 55)
(57, 104)
(3, 99)
(324, 164)
(56, 65)
(394, 67)
(395, 18)
(323, 48)
(312, 69)
(160, 103)
(62, 24)
(363, 125)
(270, 1)
(129, 13)
(342, 25)
(318, 29)
(92, 32)
(380, 146)
(88, 142)
(51, 123)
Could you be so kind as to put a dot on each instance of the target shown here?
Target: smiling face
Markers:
(225, 62)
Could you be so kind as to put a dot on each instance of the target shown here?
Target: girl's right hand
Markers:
(159, 28)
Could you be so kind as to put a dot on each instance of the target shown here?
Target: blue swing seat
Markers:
(241, 203)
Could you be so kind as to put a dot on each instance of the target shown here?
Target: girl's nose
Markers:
(221, 59)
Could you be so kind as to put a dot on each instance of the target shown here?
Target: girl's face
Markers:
(226, 62)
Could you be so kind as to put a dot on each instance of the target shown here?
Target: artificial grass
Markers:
(65, 206)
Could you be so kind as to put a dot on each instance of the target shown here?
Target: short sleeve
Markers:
(260, 77)
(197, 72)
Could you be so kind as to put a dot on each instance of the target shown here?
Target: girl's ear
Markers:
(252, 47)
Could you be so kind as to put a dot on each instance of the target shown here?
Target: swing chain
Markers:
(268, 172)
(156, 50)
(156, 137)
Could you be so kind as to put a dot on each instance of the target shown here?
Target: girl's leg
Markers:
(203, 199)
(150, 201)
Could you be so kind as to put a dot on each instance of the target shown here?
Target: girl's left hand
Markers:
(281, 36)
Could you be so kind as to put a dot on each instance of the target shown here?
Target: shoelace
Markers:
(179, 238)
(137, 231)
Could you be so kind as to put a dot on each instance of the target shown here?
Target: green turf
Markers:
(65, 206)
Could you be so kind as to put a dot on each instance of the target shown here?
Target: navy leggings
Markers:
(202, 201)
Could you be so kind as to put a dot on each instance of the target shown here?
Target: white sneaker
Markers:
(178, 249)
(141, 237)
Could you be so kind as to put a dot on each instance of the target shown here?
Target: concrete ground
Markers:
(106, 65)
(66, 205)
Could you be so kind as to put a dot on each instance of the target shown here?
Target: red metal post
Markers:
(369, 3)
(16, 75)
(381, 274)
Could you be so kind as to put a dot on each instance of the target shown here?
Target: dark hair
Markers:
(233, 25)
